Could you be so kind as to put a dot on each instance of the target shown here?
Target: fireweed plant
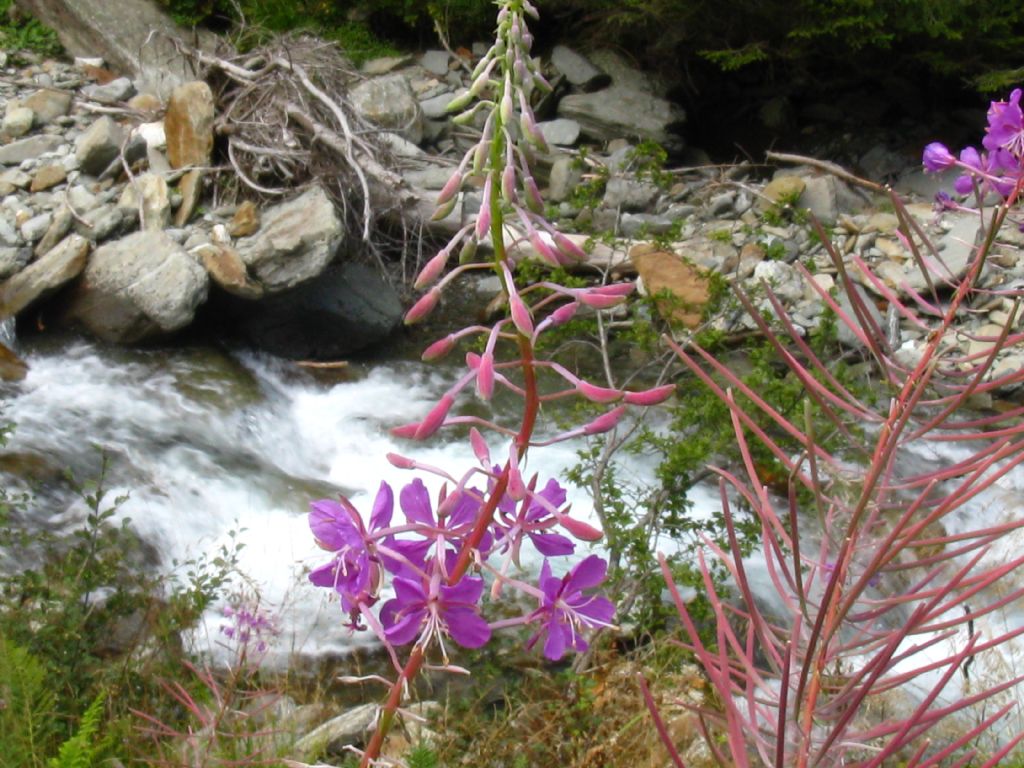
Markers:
(875, 581)
(451, 551)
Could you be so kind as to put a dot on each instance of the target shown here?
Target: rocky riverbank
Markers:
(106, 225)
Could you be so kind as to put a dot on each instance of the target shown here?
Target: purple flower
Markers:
(937, 157)
(354, 572)
(511, 525)
(565, 610)
(426, 610)
(1006, 127)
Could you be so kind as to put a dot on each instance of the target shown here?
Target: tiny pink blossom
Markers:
(450, 189)
(508, 184)
(402, 462)
(480, 449)
(598, 394)
(543, 249)
(533, 199)
(579, 529)
(483, 219)
(439, 349)
(485, 376)
(435, 418)
(423, 307)
(406, 430)
(569, 248)
(432, 269)
(605, 421)
(651, 396)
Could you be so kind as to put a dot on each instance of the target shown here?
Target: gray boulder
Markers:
(139, 287)
(389, 102)
(578, 69)
(345, 309)
(132, 36)
(61, 264)
(295, 241)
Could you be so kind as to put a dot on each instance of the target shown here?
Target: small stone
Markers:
(99, 146)
(17, 121)
(145, 102)
(629, 194)
(435, 62)
(48, 176)
(153, 134)
(15, 178)
(120, 89)
(19, 151)
(36, 227)
(227, 270)
(720, 203)
(886, 223)
(191, 189)
(48, 105)
(564, 177)
(383, 65)
(100, 223)
(156, 203)
(62, 220)
(782, 189)
(245, 221)
(389, 102)
(13, 260)
(661, 271)
(435, 106)
(984, 340)
(62, 264)
(560, 132)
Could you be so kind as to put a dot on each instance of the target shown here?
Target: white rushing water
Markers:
(205, 443)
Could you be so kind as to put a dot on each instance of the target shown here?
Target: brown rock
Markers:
(145, 102)
(245, 221)
(680, 289)
(190, 187)
(52, 270)
(189, 125)
(228, 271)
(49, 105)
(48, 176)
(12, 367)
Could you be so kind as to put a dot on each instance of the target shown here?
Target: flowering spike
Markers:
(651, 396)
(605, 421)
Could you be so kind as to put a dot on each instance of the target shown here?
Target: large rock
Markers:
(390, 103)
(296, 241)
(188, 125)
(347, 308)
(97, 147)
(59, 265)
(26, 149)
(630, 108)
(134, 37)
(139, 287)
(578, 69)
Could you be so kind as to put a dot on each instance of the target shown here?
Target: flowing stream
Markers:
(209, 444)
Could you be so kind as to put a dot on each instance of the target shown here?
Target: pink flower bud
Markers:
(543, 250)
(432, 269)
(520, 314)
(481, 80)
(483, 218)
(468, 250)
(507, 110)
(605, 421)
(508, 184)
(569, 248)
(435, 418)
(423, 307)
(451, 187)
(533, 199)
(651, 396)
(598, 394)
(531, 9)
(459, 102)
(406, 430)
(480, 449)
(599, 300)
(397, 460)
(485, 377)
(563, 314)
(614, 289)
(483, 147)
(579, 529)
(439, 349)
(516, 487)
(444, 211)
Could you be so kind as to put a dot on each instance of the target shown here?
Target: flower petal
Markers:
(467, 628)
(415, 502)
(383, 506)
(589, 572)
